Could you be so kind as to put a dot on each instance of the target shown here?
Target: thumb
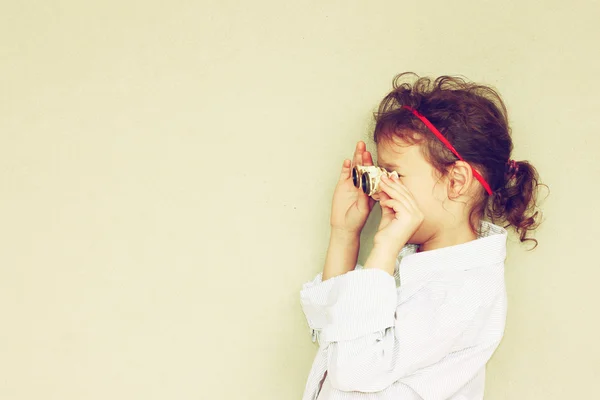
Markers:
(364, 201)
(346, 170)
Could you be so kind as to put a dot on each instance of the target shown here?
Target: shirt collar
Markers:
(488, 248)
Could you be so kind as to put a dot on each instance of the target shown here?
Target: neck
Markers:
(449, 236)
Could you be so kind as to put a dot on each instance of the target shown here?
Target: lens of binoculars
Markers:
(365, 183)
(355, 177)
(368, 177)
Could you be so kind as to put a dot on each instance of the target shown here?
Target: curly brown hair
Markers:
(474, 119)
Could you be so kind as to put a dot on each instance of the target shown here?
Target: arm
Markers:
(342, 253)
(341, 258)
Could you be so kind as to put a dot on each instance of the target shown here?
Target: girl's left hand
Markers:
(400, 215)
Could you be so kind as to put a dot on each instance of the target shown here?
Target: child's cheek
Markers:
(418, 196)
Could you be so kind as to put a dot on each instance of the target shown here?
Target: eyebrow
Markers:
(386, 165)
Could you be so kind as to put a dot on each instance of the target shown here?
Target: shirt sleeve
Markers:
(435, 340)
(360, 301)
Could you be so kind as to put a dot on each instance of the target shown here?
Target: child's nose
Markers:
(375, 196)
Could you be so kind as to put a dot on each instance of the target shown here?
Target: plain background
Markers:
(166, 172)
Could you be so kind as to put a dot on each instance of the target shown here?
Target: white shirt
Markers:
(425, 333)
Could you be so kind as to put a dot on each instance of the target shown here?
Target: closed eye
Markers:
(390, 171)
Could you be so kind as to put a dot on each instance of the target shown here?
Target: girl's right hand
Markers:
(351, 206)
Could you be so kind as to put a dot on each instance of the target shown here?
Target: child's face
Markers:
(421, 179)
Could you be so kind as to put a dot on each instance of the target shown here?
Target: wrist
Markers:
(392, 249)
(341, 254)
(382, 257)
(342, 234)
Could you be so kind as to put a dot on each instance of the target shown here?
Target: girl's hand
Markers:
(351, 206)
(400, 215)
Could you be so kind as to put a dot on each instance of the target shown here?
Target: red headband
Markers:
(449, 146)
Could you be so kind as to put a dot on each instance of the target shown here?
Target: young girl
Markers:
(424, 314)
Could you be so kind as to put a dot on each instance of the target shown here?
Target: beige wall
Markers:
(166, 174)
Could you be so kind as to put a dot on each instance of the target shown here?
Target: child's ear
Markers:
(459, 179)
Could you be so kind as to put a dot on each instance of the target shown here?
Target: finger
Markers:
(403, 189)
(390, 188)
(358, 153)
(387, 214)
(397, 206)
(397, 190)
(383, 198)
(387, 210)
(396, 196)
(345, 174)
(367, 158)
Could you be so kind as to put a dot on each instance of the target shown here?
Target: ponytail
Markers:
(516, 201)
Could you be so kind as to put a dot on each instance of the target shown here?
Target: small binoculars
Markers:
(367, 178)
